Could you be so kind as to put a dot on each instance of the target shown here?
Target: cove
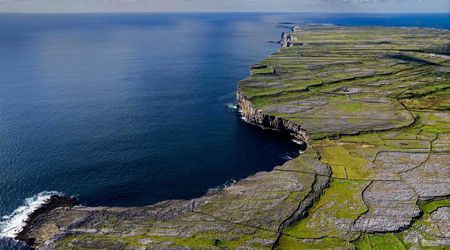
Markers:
(132, 109)
(129, 110)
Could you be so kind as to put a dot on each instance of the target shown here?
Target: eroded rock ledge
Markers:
(373, 104)
(259, 118)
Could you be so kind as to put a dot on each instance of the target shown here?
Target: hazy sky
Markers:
(225, 6)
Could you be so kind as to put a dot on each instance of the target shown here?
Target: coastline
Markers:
(54, 202)
(310, 177)
(257, 117)
(62, 204)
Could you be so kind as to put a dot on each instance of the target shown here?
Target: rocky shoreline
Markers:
(38, 217)
(59, 208)
(372, 104)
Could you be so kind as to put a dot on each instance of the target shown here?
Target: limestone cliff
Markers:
(257, 117)
(373, 106)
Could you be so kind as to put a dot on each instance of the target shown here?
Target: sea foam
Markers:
(12, 224)
(231, 106)
(299, 142)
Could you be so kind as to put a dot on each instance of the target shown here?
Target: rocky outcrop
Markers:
(40, 217)
(391, 207)
(287, 40)
(259, 118)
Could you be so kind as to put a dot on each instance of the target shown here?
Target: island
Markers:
(371, 105)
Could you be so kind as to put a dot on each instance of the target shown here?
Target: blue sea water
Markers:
(132, 109)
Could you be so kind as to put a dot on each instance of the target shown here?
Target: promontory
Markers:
(372, 105)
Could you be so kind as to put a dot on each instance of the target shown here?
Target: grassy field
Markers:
(373, 104)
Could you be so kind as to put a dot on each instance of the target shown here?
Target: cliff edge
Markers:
(373, 106)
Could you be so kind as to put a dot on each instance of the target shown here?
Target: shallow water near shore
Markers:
(132, 109)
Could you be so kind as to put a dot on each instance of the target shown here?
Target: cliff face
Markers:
(249, 214)
(364, 97)
(259, 118)
(373, 105)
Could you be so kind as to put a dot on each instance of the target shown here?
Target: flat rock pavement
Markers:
(373, 105)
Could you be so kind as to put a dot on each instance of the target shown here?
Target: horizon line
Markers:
(217, 12)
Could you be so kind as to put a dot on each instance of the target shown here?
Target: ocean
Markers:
(133, 109)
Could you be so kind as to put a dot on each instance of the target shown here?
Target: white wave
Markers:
(12, 224)
(228, 183)
(231, 106)
(299, 142)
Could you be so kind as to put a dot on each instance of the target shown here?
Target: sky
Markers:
(370, 6)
